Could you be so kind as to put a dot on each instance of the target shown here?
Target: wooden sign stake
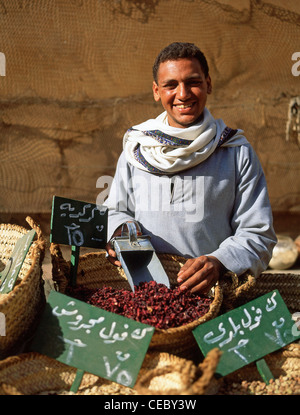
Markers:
(77, 381)
(74, 263)
(264, 371)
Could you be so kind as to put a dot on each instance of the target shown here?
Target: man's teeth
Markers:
(183, 106)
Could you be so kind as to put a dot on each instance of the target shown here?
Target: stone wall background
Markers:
(79, 73)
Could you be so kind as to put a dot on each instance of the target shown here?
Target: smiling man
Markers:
(191, 182)
(182, 88)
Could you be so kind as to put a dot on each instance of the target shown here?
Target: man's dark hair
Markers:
(179, 50)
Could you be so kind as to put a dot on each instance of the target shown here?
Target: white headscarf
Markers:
(156, 146)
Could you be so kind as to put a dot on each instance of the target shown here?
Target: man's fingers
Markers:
(198, 278)
(199, 274)
(114, 261)
(191, 267)
(112, 256)
(204, 286)
(110, 251)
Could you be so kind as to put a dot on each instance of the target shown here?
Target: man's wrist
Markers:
(222, 268)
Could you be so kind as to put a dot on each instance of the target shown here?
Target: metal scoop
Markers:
(137, 257)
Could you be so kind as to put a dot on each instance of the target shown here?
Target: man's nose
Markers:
(183, 91)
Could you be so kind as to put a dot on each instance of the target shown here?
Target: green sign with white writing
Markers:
(92, 339)
(11, 271)
(248, 333)
(78, 223)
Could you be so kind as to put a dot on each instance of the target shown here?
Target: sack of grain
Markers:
(285, 367)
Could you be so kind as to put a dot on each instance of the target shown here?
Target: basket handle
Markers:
(206, 371)
(40, 242)
(234, 286)
(34, 226)
(60, 267)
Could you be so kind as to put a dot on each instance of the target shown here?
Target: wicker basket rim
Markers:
(14, 227)
(26, 365)
(37, 248)
(5, 298)
(23, 357)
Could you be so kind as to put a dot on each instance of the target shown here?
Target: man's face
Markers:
(182, 89)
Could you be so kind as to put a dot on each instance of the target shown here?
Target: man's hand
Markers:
(111, 254)
(200, 274)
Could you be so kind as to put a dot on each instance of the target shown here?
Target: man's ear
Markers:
(155, 91)
(209, 85)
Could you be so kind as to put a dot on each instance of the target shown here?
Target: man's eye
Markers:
(170, 86)
(195, 82)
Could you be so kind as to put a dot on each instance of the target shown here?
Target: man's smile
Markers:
(183, 106)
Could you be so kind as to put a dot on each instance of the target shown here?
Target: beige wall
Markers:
(78, 74)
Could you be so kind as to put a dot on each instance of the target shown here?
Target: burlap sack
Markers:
(160, 374)
(285, 367)
(172, 375)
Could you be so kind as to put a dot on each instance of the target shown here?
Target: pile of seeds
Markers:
(283, 385)
(151, 303)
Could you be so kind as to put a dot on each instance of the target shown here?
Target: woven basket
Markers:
(161, 374)
(235, 289)
(95, 271)
(165, 374)
(21, 307)
(287, 284)
(285, 367)
(33, 373)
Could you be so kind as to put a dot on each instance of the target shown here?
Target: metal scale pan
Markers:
(138, 257)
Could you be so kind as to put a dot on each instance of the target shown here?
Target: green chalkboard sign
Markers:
(91, 339)
(78, 223)
(11, 271)
(248, 333)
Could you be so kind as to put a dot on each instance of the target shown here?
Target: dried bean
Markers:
(283, 385)
(151, 303)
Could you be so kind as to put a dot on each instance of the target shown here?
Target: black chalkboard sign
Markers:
(248, 333)
(78, 223)
(91, 339)
(11, 271)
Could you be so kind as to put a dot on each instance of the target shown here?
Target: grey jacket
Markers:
(220, 207)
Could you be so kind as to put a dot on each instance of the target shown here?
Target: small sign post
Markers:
(248, 333)
(92, 340)
(77, 224)
(10, 273)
